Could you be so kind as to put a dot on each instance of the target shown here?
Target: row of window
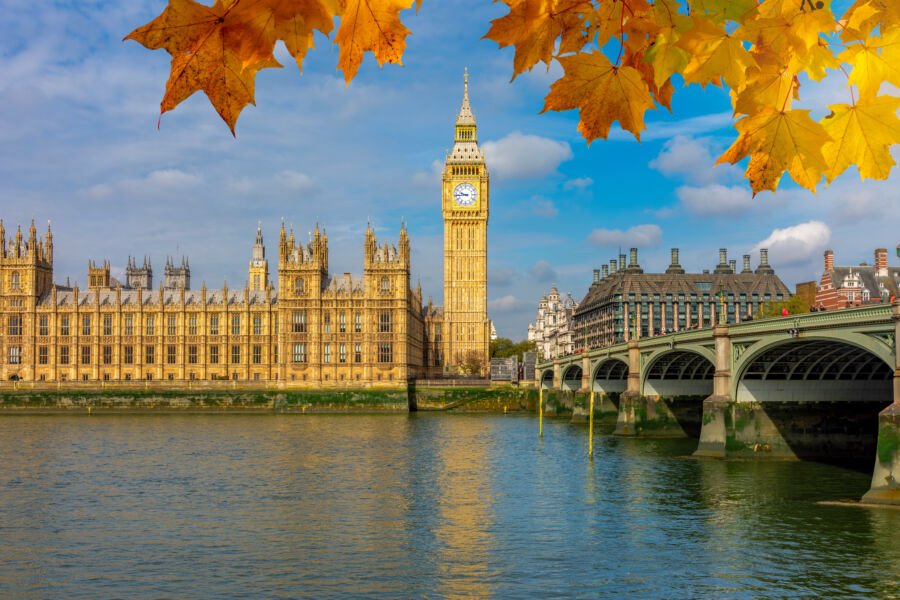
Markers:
(128, 325)
(300, 285)
(385, 322)
(385, 354)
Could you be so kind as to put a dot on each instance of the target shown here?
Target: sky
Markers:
(79, 145)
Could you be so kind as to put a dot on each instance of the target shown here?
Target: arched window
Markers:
(385, 284)
(14, 280)
(298, 285)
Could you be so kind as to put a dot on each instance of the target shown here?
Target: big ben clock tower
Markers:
(465, 190)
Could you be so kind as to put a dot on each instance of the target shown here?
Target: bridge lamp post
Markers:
(721, 294)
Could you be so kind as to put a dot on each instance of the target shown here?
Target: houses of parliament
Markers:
(303, 327)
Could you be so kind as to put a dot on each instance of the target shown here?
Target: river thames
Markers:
(417, 506)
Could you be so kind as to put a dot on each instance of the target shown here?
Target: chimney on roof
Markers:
(722, 267)
(621, 262)
(881, 269)
(764, 267)
(612, 266)
(829, 260)
(733, 264)
(632, 259)
(605, 269)
(596, 275)
(747, 268)
(674, 268)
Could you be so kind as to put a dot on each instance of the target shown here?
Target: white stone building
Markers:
(553, 330)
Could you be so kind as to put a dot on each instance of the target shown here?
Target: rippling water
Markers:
(416, 506)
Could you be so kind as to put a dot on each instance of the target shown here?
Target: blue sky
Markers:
(80, 146)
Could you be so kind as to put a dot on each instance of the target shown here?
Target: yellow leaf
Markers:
(720, 11)
(770, 83)
(715, 55)
(371, 25)
(776, 142)
(815, 62)
(874, 61)
(295, 21)
(602, 92)
(788, 27)
(865, 15)
(665, 57)
(862, 135)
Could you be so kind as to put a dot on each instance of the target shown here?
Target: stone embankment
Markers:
(259, 399)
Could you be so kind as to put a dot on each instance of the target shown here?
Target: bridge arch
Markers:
(547, 379)
(822, 368)
(610, 375)
(571, 378)
(679, 372)
(816, 397)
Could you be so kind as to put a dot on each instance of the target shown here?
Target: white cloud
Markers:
(542, 271)
(295, 182)
(692, 159)
(796, 244)
(501, 276)
(431, 178)
(658, 130)
(522, 156)
(506, 304)
(581, 183)
(662, 213)
(544, 208)
(717, 200)
(243, 186)
(639, 235)
(172, 179)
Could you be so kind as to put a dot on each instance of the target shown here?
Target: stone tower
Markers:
(465, 206)
(26, 268)
(139, 278)
(176, 278)
(258, 273)
(98, 277)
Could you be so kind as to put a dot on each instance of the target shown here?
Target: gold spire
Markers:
(465, 116)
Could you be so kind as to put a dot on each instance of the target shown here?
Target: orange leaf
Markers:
(533, 26)
(602, 92)
(213, 50)
(371, 25)
(778, 141)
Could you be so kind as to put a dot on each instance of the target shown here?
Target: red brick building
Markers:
(841, 287)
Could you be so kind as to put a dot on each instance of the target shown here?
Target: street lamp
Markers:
(721, 294)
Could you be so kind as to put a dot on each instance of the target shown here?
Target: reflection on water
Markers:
(421, 505)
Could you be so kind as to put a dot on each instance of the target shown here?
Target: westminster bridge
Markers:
(818, 386)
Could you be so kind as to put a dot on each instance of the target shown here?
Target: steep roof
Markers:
(686, 284)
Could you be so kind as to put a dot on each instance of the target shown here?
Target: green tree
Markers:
(505, 348)
(795, 305)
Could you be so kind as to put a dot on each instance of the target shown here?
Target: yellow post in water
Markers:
(591, 428)
(541, 412)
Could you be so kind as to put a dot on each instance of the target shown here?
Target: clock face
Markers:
(465, 194)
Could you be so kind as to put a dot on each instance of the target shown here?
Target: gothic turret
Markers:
(258, 273)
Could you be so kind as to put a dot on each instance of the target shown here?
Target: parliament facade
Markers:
(314, 329)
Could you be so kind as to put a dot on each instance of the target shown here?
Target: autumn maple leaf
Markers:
(779, 141)
(862, 135)
(371, 25)
(602, 92)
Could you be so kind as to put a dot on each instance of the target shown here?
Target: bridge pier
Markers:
(625, 420)
(713, 434)
(885, 488)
